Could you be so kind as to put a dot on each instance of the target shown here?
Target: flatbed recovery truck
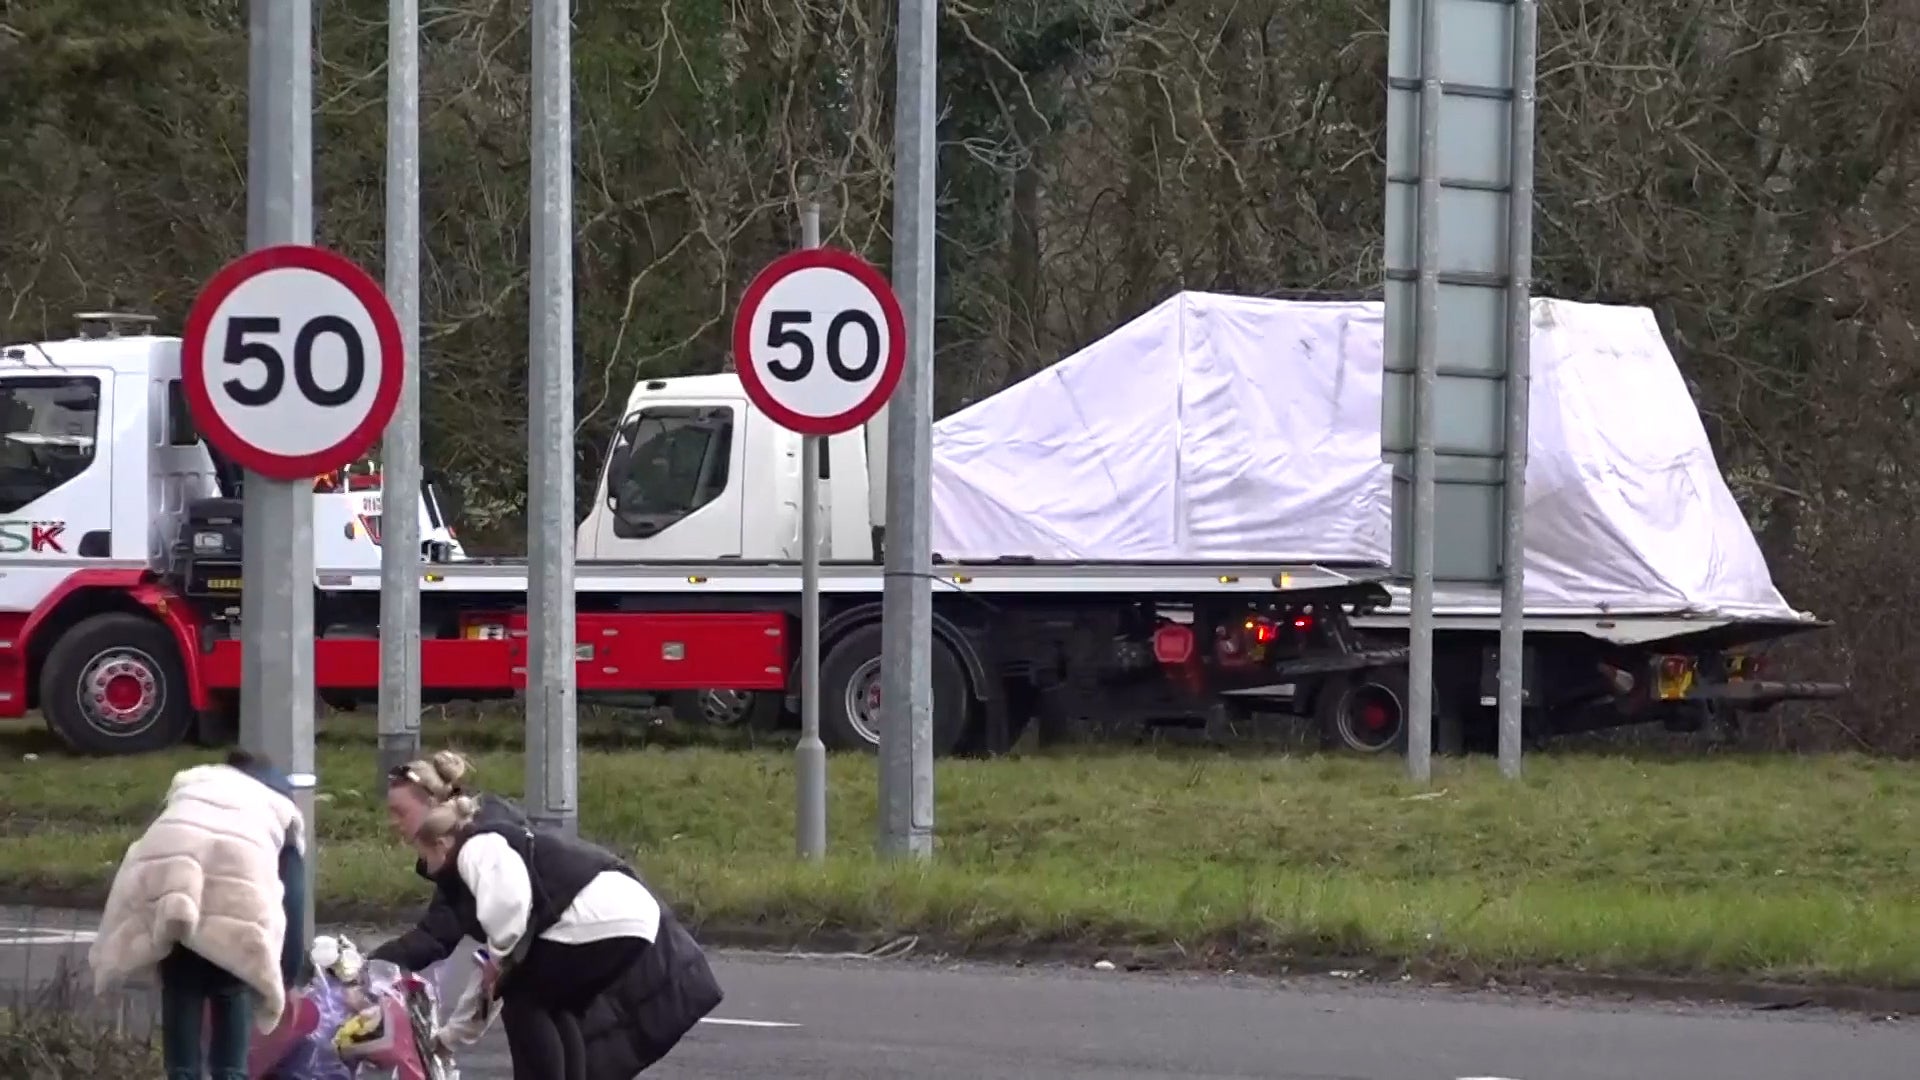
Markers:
(697, 470)
(120, 592)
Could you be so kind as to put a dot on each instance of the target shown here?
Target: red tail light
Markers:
(1303, 622)
(1673, 666)
(1261, 630)
(1172, 643)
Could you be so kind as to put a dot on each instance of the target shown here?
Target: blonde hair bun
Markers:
(449, 817)
(441, 776)
(451, 766)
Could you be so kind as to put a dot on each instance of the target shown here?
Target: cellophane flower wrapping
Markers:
(301, 1048)
(394, 1031)
(357, 1021)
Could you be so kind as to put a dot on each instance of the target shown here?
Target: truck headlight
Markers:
(208, 543)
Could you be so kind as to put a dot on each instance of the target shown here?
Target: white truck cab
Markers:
(696, 471)
(100, 464)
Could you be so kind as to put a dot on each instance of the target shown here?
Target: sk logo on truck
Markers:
(20, 537)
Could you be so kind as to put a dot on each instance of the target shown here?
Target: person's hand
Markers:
(490, 976)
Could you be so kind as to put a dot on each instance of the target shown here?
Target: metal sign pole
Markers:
(906, 679)
(276, 601)
(1425, 380)
(400, 456)
(1456, 334)
(1519, 383)
(810, 757)
(552, 733)
(819, 344)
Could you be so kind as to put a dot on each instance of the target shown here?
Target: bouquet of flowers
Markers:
(301, 1047)
(356, 1021)
(392, 1027)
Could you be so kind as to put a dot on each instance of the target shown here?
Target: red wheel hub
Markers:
(1375, 716)
(1370, 718)
(120, 690)
(123, 693)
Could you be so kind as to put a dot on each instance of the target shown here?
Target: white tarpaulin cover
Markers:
(1219, 427)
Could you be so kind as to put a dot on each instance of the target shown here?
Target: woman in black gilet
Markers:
(568, 922)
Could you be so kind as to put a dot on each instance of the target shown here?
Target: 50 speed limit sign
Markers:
(292, 361)
(819, 342)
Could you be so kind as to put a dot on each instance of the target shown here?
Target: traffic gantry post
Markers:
(819, 343)
(291, 361)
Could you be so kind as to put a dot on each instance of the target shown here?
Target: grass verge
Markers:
(1775, 868)
(58, 1032)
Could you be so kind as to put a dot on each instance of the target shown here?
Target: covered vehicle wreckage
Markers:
(1230, 428)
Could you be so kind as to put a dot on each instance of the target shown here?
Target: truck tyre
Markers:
(1365, 712)
(850, 694)
(113, 684)
(755, 710)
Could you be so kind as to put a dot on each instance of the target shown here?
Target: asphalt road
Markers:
(847, 1019)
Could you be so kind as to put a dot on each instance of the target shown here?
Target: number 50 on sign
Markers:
(292, 362)
(819, 342)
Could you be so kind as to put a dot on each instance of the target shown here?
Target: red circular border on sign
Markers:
(392, 370)
(890, 366)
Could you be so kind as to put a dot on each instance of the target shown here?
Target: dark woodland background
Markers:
(1744, 168)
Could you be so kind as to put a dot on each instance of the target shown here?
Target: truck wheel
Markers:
(1365, 712)
(114, 684)
(850, 694)
(755, 710)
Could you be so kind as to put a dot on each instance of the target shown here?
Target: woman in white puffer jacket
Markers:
(213, 895)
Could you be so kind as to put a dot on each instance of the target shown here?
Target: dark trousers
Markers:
(545, 997)
(191, 988)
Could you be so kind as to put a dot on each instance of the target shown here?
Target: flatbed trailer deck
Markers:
(1026, 577)
(1477, 607)
(125, 659)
